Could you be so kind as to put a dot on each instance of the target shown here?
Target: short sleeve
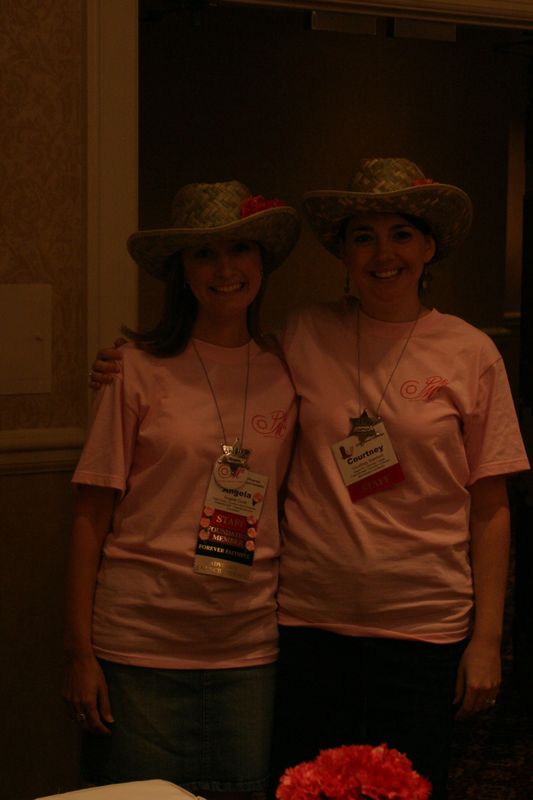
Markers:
(108, 451)
(493, 442)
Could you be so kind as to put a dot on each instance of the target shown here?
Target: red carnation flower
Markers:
(258, 203)
(355, 772)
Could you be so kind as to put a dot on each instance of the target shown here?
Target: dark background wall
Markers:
(258, 95)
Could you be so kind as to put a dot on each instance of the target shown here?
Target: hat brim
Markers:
(446, 209)
(275, 229)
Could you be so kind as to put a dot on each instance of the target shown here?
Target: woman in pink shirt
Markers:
(171, 632)
(396, 530)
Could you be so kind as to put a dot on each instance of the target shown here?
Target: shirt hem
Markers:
(105, 481)
(375, 633)
(501, 468)
(176, 663)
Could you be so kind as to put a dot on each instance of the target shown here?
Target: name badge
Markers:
(227, 532)
(370, 466)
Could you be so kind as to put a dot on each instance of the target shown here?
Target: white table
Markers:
(136, 790)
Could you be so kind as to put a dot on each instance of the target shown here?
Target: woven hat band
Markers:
(380, 175)
(208, 205)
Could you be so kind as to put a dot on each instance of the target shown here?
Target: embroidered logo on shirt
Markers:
(416, 390)
(274, 425)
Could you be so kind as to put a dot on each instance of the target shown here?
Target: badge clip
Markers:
(234, 456)
(364, 427)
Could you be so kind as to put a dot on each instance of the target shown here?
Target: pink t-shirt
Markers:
(155, 436)
(394, 564)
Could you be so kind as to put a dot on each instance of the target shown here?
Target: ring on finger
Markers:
(80, 716)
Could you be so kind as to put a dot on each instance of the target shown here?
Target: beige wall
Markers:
(68, 168)
(41, 146)
(41, 241)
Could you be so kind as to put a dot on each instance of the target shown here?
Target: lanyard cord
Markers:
(241, 440)
(358, 334)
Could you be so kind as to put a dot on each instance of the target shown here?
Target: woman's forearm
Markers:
(479, 673)
(92, 521)
(490, 537)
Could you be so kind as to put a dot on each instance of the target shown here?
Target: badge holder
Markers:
(227, 533)
(366, 458)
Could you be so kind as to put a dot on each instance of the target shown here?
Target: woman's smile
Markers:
(229, 288)
(386, 274)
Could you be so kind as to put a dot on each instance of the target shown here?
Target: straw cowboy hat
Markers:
(397, 186)
(209, 212)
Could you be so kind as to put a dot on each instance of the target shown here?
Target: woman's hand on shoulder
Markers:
(85, 691)
(106, 366)
(478, 677)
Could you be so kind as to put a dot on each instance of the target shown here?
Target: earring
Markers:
(427, 277)
(347, 287)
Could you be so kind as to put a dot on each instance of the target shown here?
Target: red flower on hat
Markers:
(258, 203)
(422, 182)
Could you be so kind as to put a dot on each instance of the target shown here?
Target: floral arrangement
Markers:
(258, 203)
(354, 772)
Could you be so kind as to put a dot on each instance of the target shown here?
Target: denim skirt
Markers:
(206, 730)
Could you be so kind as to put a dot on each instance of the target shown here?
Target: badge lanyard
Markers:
(227, 532)
(232, 454)
(366, 458)
(363, 424)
